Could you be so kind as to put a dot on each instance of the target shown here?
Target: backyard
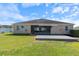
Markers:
(26, 45)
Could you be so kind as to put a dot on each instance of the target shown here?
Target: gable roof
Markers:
(44, 21)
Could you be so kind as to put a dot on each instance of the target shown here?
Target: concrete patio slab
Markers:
(55, 37)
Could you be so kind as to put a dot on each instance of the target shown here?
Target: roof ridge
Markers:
(44, 21)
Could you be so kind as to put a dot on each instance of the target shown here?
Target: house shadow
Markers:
(19, 35)
(64, 40)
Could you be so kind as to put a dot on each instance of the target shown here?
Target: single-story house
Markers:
(5, 28)
(42, 26)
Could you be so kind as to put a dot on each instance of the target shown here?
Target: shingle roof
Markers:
(44, 21)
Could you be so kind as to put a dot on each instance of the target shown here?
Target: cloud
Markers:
(75, 22)
(46, 4)
(43, 15)
(57, 10)
(34, 14)
(67, 13)
(10, 14)
(69, 20)
(66, 9)
(30, 4)
(73, 13)
(60, 9)
(46, 12)
(75, 8)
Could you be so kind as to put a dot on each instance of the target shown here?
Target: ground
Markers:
(26, 45)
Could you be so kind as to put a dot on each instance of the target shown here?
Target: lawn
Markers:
(26, 45)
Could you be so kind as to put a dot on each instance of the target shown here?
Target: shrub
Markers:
(74, 33)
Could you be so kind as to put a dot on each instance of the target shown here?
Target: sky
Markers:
(17, 12)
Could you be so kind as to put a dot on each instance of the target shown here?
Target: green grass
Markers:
(26, 45)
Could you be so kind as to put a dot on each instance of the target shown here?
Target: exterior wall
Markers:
(25, 30)
(55, 29)
(27, 26)
(60, 29)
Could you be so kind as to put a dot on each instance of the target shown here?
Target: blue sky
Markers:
(11, 13)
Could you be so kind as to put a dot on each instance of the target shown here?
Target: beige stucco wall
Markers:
(25, 30)
(28, 27)
(60, 29)
(56, 28)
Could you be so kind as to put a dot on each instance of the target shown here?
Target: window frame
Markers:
(66, 28)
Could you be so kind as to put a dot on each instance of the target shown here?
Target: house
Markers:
(42, 26)
(5, 28)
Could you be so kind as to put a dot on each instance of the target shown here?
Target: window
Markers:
(17, 27)
(43, 29)
(36, 29)
(22, 26)
(66, 28)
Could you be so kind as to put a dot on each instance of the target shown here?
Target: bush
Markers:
(74, 33)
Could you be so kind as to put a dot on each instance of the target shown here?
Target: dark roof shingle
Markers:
(46, 21)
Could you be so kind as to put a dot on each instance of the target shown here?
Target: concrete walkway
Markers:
(55, 37)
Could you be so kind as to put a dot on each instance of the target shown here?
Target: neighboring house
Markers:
(5, 28)
(42, 26)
